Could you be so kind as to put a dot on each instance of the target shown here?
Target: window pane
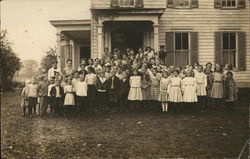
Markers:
(232, 41)
(233, 3)
(224, 3)
(225, 41)
(228, 3)
(185, 41)
(186, 3)
(132, 2)
(178, 41)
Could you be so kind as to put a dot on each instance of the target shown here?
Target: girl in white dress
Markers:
(189, 88)
(174, 91)
(135, 93)
(69, 100)
(201, 83)
(163, 91)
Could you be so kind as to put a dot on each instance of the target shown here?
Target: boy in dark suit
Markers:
(123, 93)
(102, 92)
(113, 85)
(57, 94)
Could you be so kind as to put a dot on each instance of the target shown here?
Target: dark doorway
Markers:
(84, 52)
(128, 34)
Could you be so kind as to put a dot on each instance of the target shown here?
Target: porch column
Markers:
(100, 40)
(156, 37)
(72, 52)
(58, 50)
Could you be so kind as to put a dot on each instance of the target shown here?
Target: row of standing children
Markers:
(95, 88)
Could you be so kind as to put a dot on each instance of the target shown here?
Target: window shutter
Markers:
(218, 47)
(195, 4)
(170, 48)
(194, 47)
(241, 4)
(139, 3)
(217, 3)
(241, 51)
(114, 3)
(170, 3)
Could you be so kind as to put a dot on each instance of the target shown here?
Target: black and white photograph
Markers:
(125, 79)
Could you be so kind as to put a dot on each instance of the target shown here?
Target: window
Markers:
(228, 3)
(181, 48)
(229, 48)
(183, 3)
(127, 3)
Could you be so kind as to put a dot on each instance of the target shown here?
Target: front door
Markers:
(127, 38)
(128, 34)
(85, 52)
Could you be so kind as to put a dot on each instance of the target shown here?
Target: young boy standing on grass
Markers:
(81, 89)
(50, 85)
(42, 94)
(25, 99)
(56, 94)
(32, 96)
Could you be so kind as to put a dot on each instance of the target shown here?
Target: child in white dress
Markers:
(189, 89)
(69, 100)
(135, 93)
(163, 91)
(201, 83)
(174, 91)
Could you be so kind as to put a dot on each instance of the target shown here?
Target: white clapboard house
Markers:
(216, 31)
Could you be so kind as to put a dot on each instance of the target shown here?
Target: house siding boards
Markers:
(206, 20)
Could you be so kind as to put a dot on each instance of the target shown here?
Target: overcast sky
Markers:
(27, 23)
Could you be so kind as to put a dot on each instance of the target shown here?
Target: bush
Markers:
(9, 62)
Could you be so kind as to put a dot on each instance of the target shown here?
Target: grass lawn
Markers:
(210, 134)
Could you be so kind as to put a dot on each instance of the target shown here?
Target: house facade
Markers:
(215, 31)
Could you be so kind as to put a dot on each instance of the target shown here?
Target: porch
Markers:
(124, 28)
(73, 41)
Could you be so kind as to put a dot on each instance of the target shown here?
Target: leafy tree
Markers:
(9, 62)
(29, 69)
(48, 60)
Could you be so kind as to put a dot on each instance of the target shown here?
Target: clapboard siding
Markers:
(206, 20)
(102, 4)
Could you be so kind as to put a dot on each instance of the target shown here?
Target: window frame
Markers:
(177, 6)
(236, 48)
(229, 7)
(125, 6)
(189, 46)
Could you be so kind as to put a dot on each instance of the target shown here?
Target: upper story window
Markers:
(182, 3)
(229, 4)
(126, 3)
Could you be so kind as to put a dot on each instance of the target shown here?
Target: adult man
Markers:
(52, 71)
(162, 54)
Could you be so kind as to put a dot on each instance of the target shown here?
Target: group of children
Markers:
(123, 82)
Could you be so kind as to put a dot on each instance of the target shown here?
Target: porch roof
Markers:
(57, 23)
